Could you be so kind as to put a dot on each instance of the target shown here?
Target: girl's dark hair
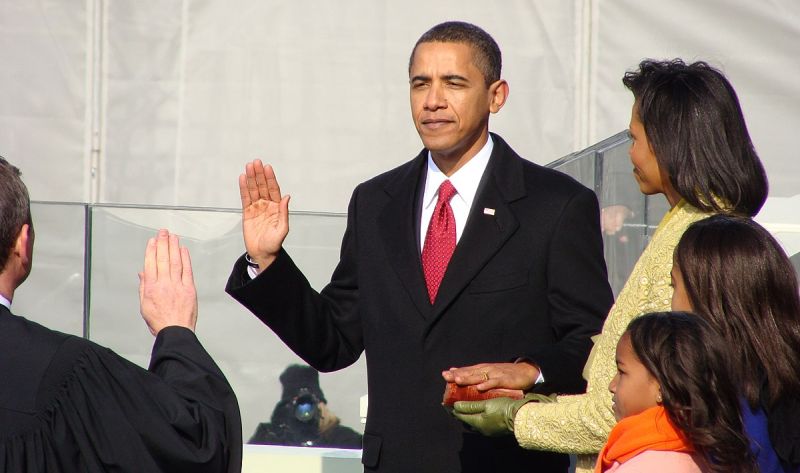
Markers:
(687, 359)
(739, 278)
(694, 124)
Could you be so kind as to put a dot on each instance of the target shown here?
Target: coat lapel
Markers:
(484, 234)
(398, 229)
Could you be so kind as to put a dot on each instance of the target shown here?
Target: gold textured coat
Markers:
(580, 424)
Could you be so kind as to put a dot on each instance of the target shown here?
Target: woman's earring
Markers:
(658, 398)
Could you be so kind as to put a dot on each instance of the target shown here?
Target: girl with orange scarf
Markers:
(678, 409)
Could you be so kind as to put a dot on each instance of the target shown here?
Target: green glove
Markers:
(492, 417)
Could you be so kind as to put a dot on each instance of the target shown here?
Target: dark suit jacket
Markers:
(529, 280)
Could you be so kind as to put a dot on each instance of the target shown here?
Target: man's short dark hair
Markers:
(15, 208)
(485, 51)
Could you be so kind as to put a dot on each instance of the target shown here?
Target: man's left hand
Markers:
(486, 376)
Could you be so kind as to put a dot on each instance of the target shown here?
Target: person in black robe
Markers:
(70, 405)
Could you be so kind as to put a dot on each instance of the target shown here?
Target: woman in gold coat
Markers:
(689, 143)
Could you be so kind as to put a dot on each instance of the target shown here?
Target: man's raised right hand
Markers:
(265, 213)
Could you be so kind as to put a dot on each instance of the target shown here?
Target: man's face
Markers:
(450, 101)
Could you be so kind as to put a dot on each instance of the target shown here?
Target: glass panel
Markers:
(248, 352)
(53, 293)
(628, 217)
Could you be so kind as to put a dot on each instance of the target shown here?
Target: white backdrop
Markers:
(161, 102)
(174, 96)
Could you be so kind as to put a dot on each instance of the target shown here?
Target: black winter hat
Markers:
(296, 377)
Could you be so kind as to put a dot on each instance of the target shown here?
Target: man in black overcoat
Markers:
(465, 254)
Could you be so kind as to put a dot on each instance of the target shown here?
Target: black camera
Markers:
(305, 406)
(295, 421)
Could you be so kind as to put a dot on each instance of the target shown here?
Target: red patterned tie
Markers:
(440, 240)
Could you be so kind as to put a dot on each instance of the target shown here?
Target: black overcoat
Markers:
(527, 279)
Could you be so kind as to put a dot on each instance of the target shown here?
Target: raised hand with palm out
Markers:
(265, 213)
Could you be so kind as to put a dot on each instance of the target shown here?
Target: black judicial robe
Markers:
(70, 405)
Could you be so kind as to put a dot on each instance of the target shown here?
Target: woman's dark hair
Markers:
(694, 124)
(687, 358)
(739, 278)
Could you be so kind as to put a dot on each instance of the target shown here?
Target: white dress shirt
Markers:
(465, 181)
(5, 302)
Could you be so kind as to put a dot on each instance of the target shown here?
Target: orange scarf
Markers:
(649, 430)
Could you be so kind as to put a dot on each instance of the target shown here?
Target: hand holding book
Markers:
(454, 393)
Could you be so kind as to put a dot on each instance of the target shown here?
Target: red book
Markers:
(454, 392)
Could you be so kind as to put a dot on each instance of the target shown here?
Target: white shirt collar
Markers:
(5, 302)
(465, 180)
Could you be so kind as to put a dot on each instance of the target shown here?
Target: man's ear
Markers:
(23, 246)
(498, 93)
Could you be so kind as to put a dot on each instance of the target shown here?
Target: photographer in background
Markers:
(302, 418)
